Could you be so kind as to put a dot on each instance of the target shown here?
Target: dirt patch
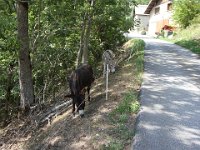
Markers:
(96, 130)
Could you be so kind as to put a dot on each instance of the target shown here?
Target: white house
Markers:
(160, 12)
(141, 19)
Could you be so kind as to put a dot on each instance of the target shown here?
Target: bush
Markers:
(143, 32)
(196, 20)
(185, 11)
(136, 46)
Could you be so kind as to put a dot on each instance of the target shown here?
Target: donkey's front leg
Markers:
(73, 108)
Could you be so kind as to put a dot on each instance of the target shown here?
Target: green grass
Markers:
(192, 44)
(129, 104)
(114, 145)
(136, 45)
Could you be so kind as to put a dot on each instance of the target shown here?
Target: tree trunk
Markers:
(86, 42)
(80, 52)
(25, 69)
(87, 34)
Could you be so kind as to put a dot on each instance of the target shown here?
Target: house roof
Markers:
(139, 9)
(150, 6)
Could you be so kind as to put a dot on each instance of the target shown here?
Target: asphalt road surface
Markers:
(170, 99)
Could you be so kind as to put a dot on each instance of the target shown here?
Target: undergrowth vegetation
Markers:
(130, 104)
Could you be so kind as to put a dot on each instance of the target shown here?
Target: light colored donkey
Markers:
(108, 60)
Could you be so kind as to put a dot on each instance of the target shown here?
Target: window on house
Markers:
(169, 7)
(157, 10)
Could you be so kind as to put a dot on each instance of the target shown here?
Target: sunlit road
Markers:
(170, 99)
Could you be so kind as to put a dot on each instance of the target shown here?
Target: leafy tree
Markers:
(9, 96)
(185, 11)
(112, 19)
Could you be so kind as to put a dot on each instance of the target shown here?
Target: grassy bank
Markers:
(124, 115)
(188, 38)
(191, 44)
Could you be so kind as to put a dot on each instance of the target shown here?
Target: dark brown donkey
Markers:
(80, 80)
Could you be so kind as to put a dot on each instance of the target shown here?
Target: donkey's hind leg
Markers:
(88, 91)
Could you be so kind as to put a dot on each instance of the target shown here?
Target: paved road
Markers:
(170, 99)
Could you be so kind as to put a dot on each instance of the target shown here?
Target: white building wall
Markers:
(154, 18)
(144, 22)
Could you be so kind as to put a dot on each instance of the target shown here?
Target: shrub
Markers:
(136, 46)
(196, 20)
(185, 11)
(143, 32)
